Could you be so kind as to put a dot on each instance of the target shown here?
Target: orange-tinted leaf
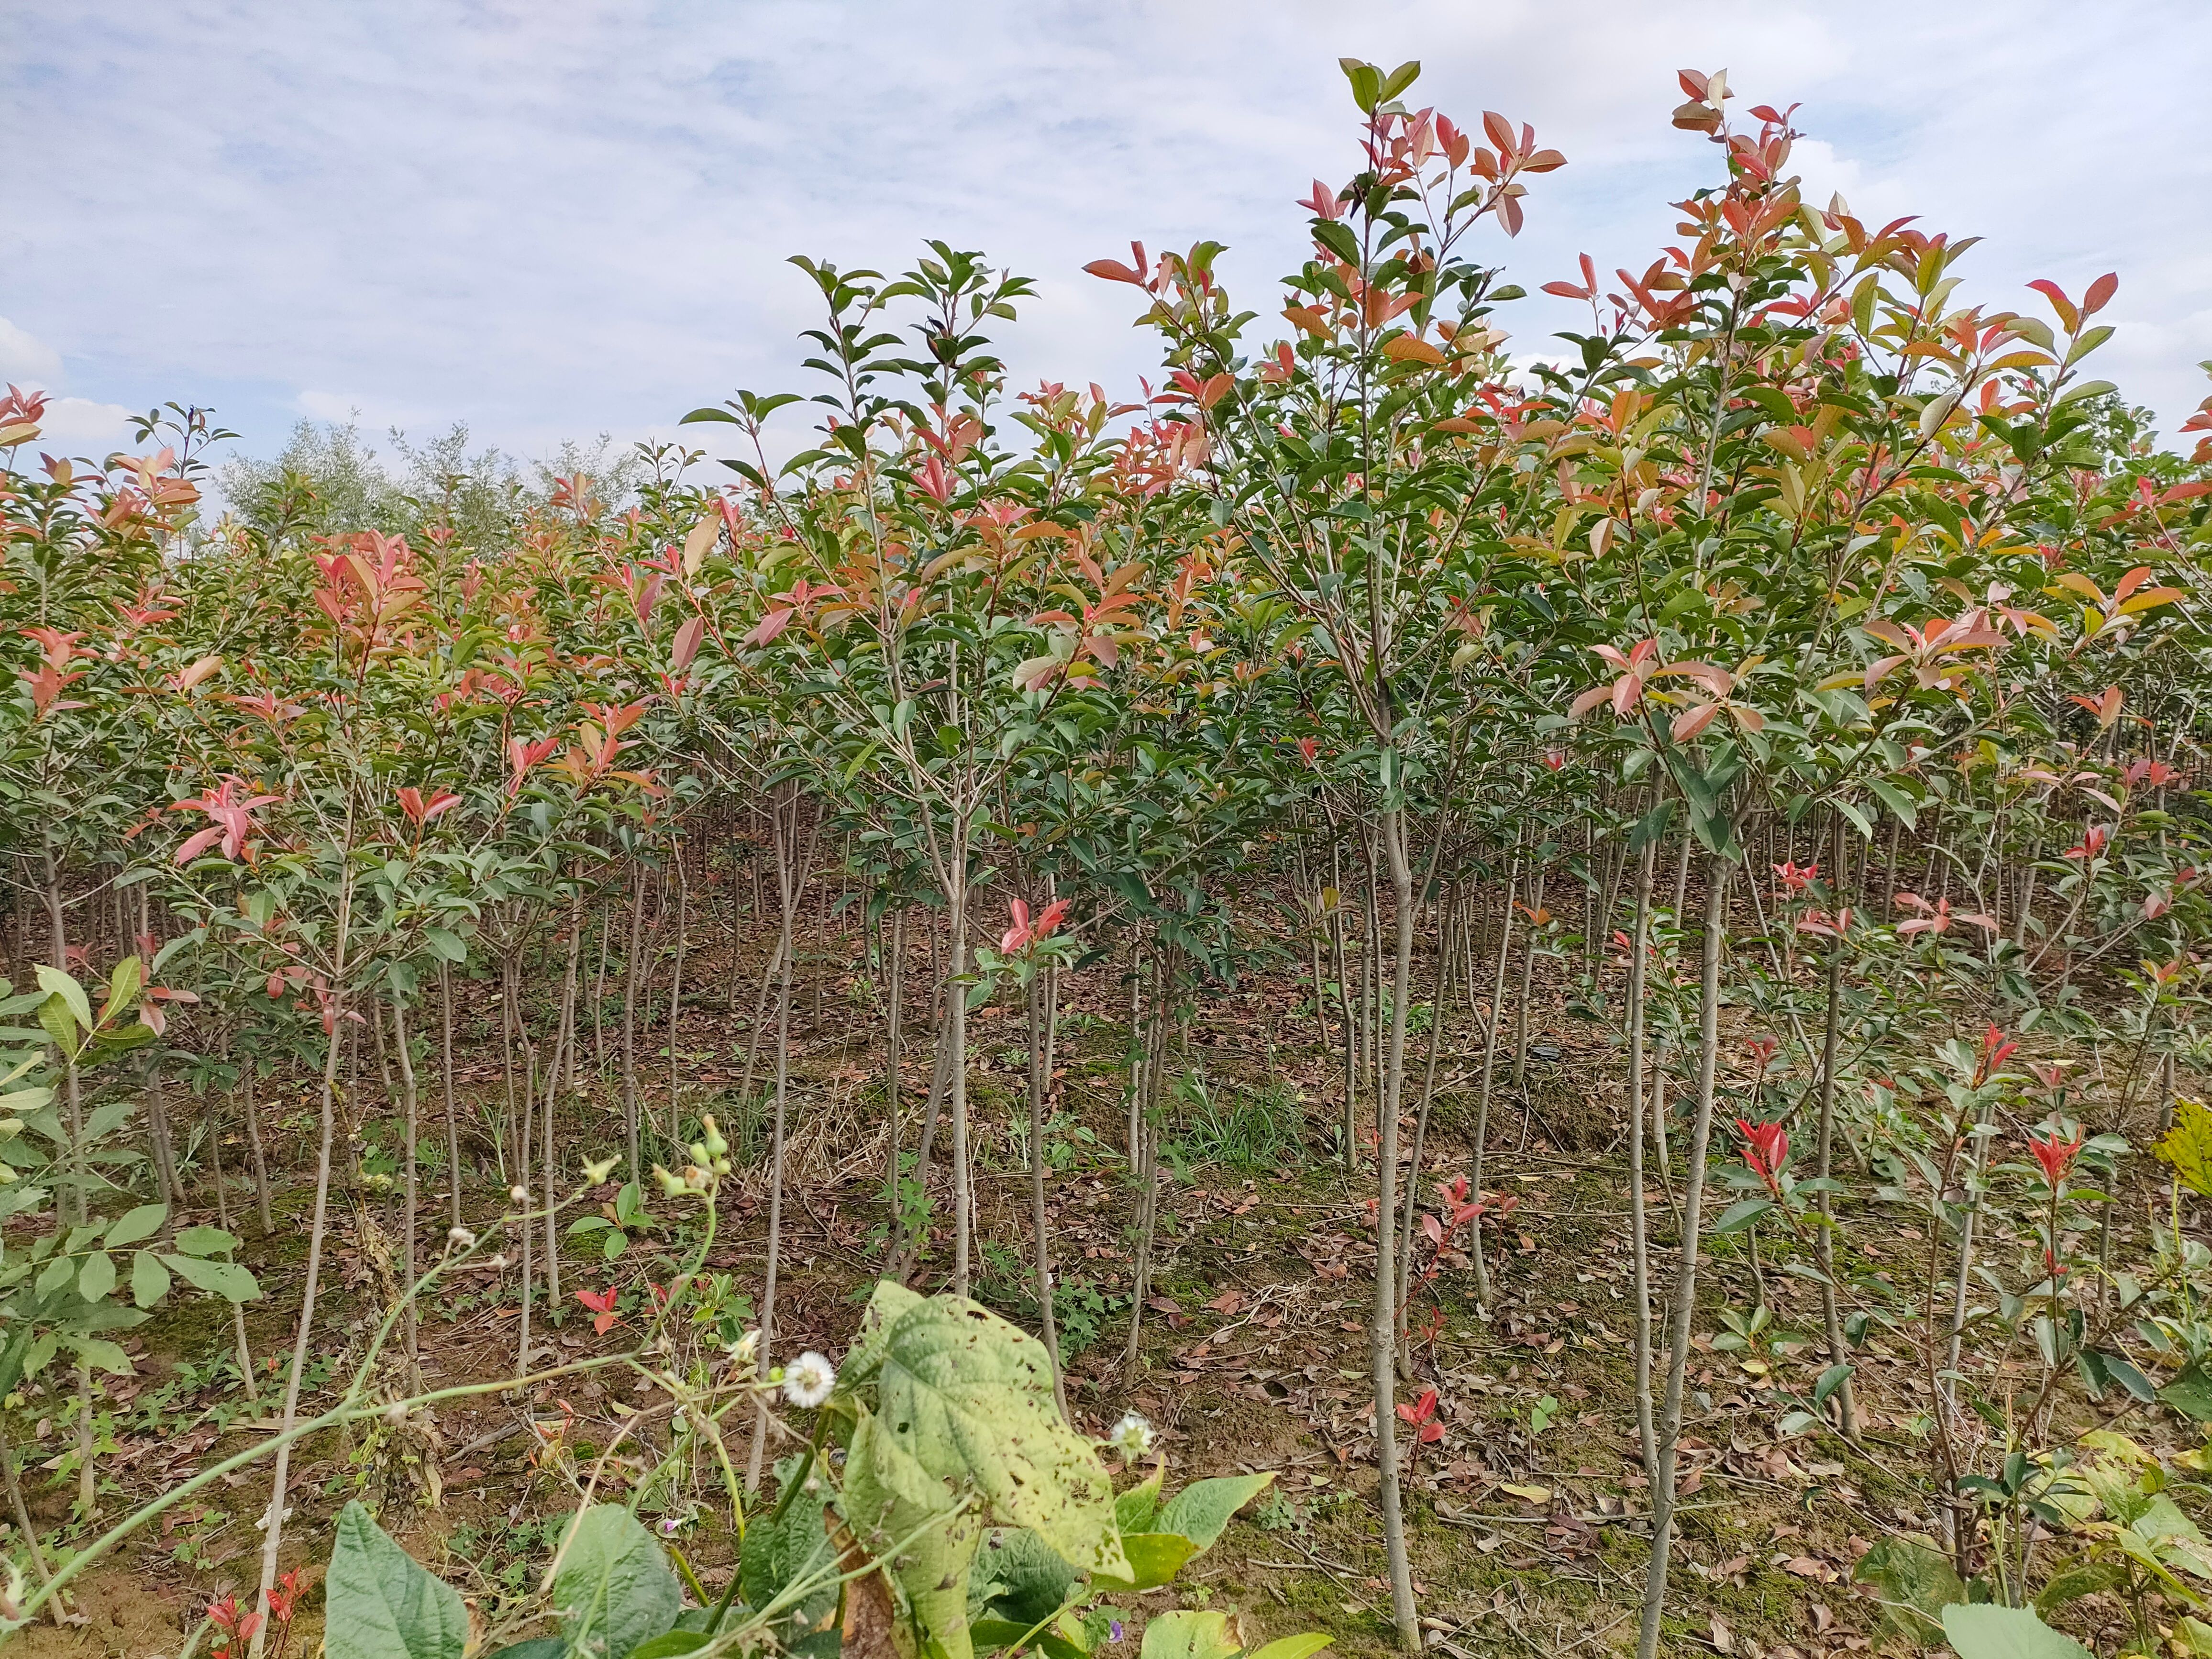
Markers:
(1408, 348)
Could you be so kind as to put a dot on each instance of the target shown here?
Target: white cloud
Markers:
(79, 424)
(83, 427)
(25, 361)
(555, 218)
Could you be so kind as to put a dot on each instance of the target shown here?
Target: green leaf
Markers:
(2126, 1374)
(98, 1353)
(542, 1647)
(1652, 825)
(1336, 236)
(1135, 1509)
(968, 1397)
(1896, 799)
(1917, 1582)
(122, 987)
(781, 1553)
(149, 1279)
(1190, 1635)
(1292, 1647)
(222, 1278)
(667, 1647)
(895, 1503)
(59, 1023)
(2072, 1582)
(1366, 83)
(1832, 1379)
(380, 1602)
(614, 1588)
(134, 1225)
(1201, 1511)
(2190, 1393)
(1020, 1578)
(1741, 1214)
(988, 1633)
(1404, 76)
(2188, 1145)
(56, 983)
(206, 1241)
(97, 1277)
(1155, 1558)
(1988, 1632)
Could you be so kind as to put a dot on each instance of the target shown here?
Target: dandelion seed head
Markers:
(808, 1380)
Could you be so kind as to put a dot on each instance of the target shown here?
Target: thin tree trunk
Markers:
(446, 1068)
(894, 1044)
(676, 992)
(73, 1206)
(1824, 1243)
(222, 1220)
(519, 1196)
(791, 879)
(251, 1111)
(562, 1078)
(56, 1607)
(633, 1133)
(1443, 982)
(1520, 1078)
(1639, 1217)
(172, 1191)
(1490, 1072)
(407, 1247)
(1040, 1221)
(1669, 1428)
(760, 1020)
(1382, 1331)
(273, 1537)
(964, 1197)
(933, 1111)
(548, 1101)
(1153, 1065)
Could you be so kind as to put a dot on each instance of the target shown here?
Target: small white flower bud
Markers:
(1132, 1437)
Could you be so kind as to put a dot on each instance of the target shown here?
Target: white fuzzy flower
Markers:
(461, 1238)
(808, 1379)
(1132, 1437)
(744, 1351)
(519, 1193)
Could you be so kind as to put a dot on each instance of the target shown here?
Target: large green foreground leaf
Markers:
(613, 1589)
(964, 1435)
(382, 1604)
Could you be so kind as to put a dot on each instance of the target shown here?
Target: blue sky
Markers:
(550, 218)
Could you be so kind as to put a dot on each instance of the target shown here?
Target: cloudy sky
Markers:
(549, 219)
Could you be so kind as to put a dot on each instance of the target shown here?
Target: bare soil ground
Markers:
(1528, 1518)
